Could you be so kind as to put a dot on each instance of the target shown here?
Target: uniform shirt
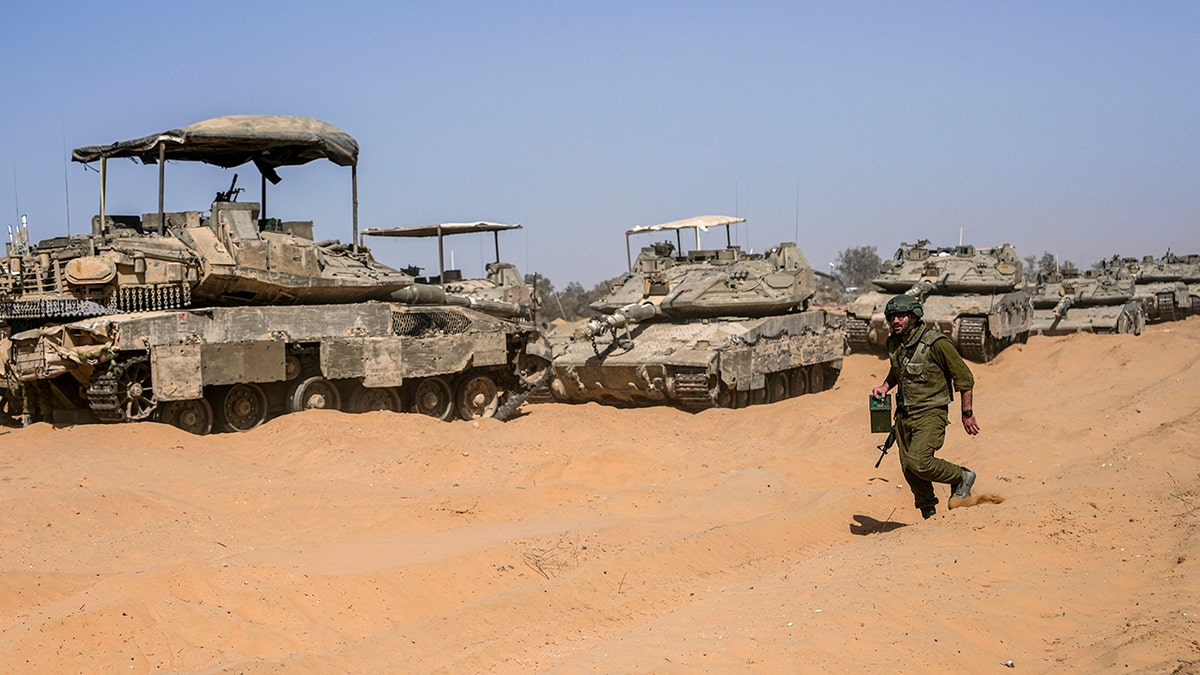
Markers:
(943, 354)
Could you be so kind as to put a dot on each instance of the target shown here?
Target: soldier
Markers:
(928, 370)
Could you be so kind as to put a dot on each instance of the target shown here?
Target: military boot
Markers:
(962, 489)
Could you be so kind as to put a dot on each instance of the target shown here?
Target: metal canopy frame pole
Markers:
(628, 255)
(496, 238)
(262, 195)
(441, 257)
(162, 172)
(354, 198)
(98, 226)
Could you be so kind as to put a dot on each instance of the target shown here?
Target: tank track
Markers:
(691, 391)
(972, 338)
(1166, 306)
(526, 390)
(102, 398)
(856, 335)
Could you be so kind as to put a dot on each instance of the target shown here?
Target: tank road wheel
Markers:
(433, 397)
(135, 392)
(778, 387)
(367, 399)
(816, 378)
(740, 398)
(314, 392)
(243, 407)
(758, 396)
(798, 381)
(194, 417)
(10, 408)
(478, 396)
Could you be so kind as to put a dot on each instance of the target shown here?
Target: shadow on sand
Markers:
(865, 525)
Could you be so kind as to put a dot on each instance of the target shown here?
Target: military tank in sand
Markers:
(975, 296)
(1169, 286)
(1098, 300)
(224, 318)
(702, 328)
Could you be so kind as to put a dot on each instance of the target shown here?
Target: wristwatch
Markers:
(968, 413)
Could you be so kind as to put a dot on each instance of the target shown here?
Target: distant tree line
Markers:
(570, 303)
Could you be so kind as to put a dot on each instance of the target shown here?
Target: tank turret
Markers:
(974, 295)
(699, 327)
(231, 254)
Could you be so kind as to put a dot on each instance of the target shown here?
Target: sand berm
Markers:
(581, 539)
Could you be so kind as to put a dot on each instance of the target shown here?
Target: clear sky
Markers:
(1069, 127)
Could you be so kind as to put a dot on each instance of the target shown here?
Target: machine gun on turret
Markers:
(231, 194)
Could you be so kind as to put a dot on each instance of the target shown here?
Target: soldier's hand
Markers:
(971, 425)
(879, 392)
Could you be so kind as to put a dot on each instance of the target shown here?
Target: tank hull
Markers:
(232, 368)
(702, 364)
(978, 325)
(1129, 318)
(1168, 300)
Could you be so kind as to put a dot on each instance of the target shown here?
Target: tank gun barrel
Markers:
(921, 289)
(635, 312)
(426, 294)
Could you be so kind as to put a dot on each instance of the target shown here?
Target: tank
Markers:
(500, 280)
(232, 254)
(225, 318)
(702, 328)
(1169, 287)
(1098, 300)
(975, 296)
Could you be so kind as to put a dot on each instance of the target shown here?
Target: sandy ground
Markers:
(591, 539)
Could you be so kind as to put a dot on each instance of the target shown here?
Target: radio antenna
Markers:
(16, 191)
(66, 183)
(797, 235)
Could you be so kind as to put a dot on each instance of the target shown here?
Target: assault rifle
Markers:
(887, 444)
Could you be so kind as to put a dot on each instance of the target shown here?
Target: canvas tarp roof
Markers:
(443, 229)
(269, 141)
(699, 222)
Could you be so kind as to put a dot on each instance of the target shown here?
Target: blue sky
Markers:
(1069, 127)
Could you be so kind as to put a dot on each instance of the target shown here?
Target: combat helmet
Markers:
(904, 304)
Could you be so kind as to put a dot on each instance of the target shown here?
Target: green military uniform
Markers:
(928, 370)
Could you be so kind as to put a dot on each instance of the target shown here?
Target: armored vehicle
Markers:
(500, 281)
(1099, 300)
(975, 296)
(230, 255)
(1169, 286)
(702, 328)
(224, 318)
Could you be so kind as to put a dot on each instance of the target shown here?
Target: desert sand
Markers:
(581, 538)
